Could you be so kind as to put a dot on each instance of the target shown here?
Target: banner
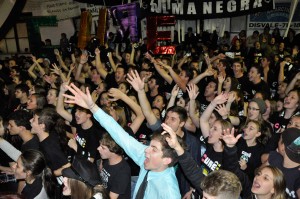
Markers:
(206, 9)
(278, 17)
(61, 9)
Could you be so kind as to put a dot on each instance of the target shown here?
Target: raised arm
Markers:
(119, 57)
(208, 72)
(182, 61)
(60, 109)
(220, 99)
(103, 73)
(60, 60)
(138, 85)
(193, 92)
(292, 84)
(221, 79)
(83, 60)
(111, 61)
(30, 71)
(58, 71)
(132, 54)
(9, 149)
(174, 94)
(117, 94)
(159, 68)
(181, 84)
(188, 164)
(233, 119)
(131, 146)
(281, 71)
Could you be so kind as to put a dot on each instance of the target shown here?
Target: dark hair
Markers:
(38, 89)
(258, 68)
(23, 88)
(53, 124)
(188, 72)
(180, 111)
(35, 162)
(234, 83)
(41, 100)
(168, 152)
(124, 68)
(111, 144)
(21, 118)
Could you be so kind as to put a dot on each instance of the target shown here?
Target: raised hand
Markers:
(222, 110)
(33, 58)
(72, 66)
(221, 56)
(136, 82)
(207, 60)
(56, 52)
(95, 95)
(172, 140)
(166, 67)
(115, 94)
(148, 56)
(220, 99)
(209, 72)
(221, 79)
(175, 91)
(55, 69)
(193, 91)
(229, 139)
(79, 98)
(63, 86)
(97, 51)
(231, 97)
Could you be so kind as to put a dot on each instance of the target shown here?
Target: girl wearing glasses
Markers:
(281, 120)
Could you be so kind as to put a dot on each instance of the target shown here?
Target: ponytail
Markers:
(60, 130)
(49, 182)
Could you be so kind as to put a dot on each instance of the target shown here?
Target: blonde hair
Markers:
(278, 182)
(222, 184)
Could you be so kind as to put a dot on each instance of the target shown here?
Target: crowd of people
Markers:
(220, 118)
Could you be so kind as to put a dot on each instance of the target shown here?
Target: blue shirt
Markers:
(160, 184)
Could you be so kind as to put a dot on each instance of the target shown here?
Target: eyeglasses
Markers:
(253, 109)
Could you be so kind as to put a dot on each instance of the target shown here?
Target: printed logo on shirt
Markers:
(104, 176)
(209, 165)
(81, 141)
(290, 193)
(203, 107)
(245, 156)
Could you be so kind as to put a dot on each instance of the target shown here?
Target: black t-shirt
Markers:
(251, 155)
(291, 175)
(211, 160)
(111, 81)
(243, 86)
(273, 82)
(87, 139)
(203, 103)
(34, 143)
(53, 153)
(262, 87)
(30, 191)
(117, 178)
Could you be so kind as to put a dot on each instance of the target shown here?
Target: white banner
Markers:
(62, 9)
